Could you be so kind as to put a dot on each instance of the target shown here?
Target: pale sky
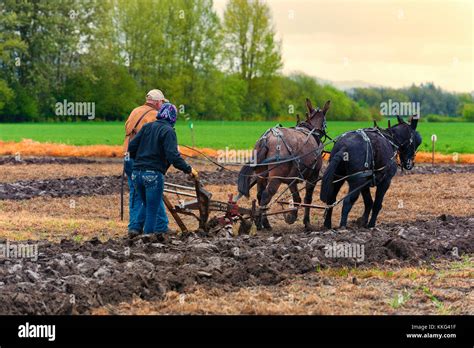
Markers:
(386, 42)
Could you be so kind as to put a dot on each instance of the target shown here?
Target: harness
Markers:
(309, 131)
(370, 170)
(303, 127)
(133, 132)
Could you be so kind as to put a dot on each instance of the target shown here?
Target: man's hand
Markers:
(194, 173)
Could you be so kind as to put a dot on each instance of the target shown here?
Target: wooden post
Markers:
(191, 127)
(433, 140)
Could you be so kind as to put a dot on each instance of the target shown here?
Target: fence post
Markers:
(433, 140)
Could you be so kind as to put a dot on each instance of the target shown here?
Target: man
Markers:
(139, 117)
(154, 149)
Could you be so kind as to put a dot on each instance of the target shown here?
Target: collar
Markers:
(151, 105)
(165, 122)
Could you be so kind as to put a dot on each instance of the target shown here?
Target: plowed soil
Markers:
(106, 185)
(144, 275)
(72, 277)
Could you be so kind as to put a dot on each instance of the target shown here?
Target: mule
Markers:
(367, 158)
(286, 155)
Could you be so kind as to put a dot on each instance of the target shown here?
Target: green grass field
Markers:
(452, 137)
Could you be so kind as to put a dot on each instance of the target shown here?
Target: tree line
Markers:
(433, 100)
(110, 52)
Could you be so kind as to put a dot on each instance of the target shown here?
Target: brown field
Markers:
(437, 285)
(329, 292)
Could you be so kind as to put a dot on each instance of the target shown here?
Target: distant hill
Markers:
(349, 84)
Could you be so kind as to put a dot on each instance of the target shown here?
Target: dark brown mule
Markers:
(291, 153)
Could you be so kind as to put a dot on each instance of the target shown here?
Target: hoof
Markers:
(361, 222)
(290, 218)
(327, 227)
(309, 227)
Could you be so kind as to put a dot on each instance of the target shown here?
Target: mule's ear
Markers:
(400, 120)
(388, 123)
(326, 107)
(414, 121)
(309, 106)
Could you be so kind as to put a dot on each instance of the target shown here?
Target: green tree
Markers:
(11, 46)
(251, 51)
(193, 37)
(55, 36)
(468, 112)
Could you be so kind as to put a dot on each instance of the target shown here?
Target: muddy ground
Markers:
(98, 185)
(106, 185)
(86, 275)
(12, 160)
(72, 277)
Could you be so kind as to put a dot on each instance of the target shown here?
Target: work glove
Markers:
(194, 173)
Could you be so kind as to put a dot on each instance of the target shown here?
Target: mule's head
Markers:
(317, 117)
(408, 141)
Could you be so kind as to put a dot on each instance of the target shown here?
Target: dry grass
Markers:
(331, 292)
(28, 147)
(426, 157)
(11, 173)
(79, 218)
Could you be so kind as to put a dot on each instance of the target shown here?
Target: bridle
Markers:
(319, 133)
(410, 142)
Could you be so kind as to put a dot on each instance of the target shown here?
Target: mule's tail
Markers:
(327, 185)
(244, 182)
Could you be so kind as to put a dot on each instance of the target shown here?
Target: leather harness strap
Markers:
(133, 131)
(368, 172)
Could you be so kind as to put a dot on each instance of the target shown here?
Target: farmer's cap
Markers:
(156, 94)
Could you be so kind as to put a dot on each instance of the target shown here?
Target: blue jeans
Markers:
(149, 185)
(137, 213)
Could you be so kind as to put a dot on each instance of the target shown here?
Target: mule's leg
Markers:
(379, 195)
(261, 185)
(331, 200)
(291, 217)
(267, 195)
(308, 199)
(368, 203)
(349, 202)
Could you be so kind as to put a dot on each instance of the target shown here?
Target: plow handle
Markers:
(203, 202)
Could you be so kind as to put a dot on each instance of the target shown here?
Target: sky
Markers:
(382, 42)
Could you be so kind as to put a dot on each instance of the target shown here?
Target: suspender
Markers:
(133, 131)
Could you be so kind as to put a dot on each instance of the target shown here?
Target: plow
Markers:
(202, 204)
(231, 216)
